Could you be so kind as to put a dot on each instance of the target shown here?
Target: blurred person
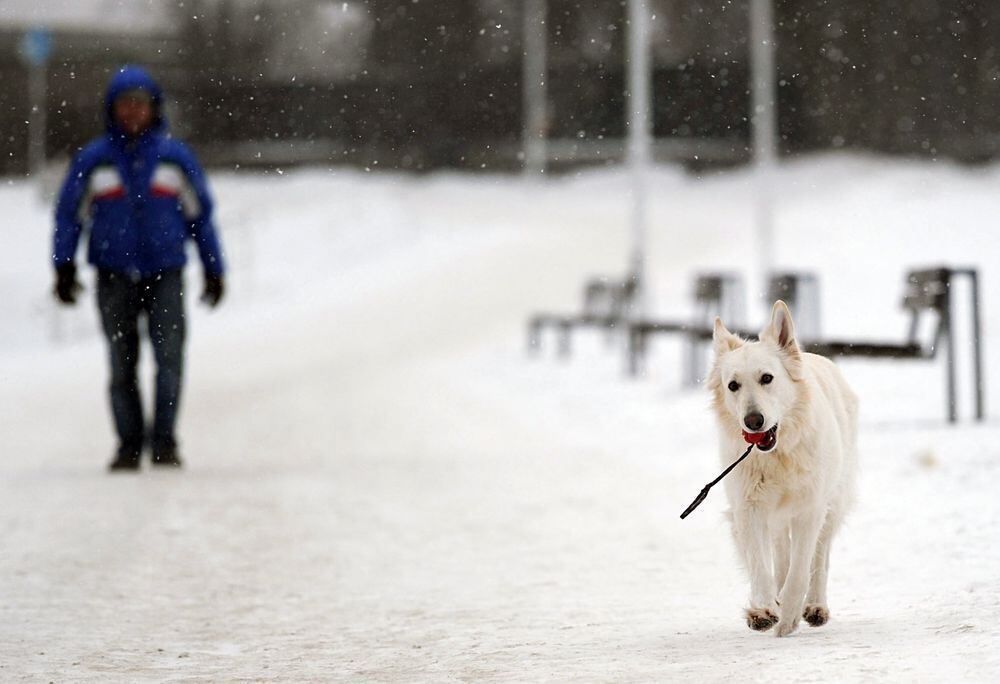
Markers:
(140, 194)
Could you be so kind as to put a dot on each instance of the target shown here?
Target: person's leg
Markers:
(118, 303)
(163, 301)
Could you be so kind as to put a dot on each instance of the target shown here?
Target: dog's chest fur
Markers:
(778, 481)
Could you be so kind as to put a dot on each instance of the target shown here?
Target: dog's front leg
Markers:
(805, 532)
(754, 543)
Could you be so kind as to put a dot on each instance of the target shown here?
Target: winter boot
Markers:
(126, 458)
(165, 454)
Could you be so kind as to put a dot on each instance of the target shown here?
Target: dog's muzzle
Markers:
(764, 441)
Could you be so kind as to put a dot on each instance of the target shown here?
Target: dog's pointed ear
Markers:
(722, 340)
(781, 329)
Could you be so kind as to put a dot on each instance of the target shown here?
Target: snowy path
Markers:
(380, 487)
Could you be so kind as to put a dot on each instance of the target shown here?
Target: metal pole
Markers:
(764, 127)
(977, 348)
(534, 91)
(640, 137)
(36, 120)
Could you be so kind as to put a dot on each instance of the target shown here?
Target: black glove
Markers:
(67, 286)
(214, 289)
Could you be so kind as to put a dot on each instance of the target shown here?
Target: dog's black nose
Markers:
(754, 421)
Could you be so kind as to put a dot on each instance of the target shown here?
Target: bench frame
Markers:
(607, 303)
(927, 290)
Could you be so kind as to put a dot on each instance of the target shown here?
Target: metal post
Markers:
(34, 50)
(534, 90)
(977, 349)
(37, 120)
(764, 127)
(640, 137)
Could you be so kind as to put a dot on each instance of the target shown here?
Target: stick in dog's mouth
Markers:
(764, 441)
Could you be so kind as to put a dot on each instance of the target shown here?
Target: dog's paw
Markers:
(816, 615)
(785, 627)
(760, 619)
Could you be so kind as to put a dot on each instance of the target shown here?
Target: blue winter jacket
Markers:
(139, 198)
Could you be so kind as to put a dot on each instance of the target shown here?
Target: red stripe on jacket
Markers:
(111, 193)
(163, 191)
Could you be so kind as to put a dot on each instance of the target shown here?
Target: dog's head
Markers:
(755, 385)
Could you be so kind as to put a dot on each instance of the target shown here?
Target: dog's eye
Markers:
(766, 379)
(733, 386)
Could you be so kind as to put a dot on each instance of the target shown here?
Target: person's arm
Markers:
(69, 215)
(69, 224)
(196, 203)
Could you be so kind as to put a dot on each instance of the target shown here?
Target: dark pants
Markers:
(122, 301)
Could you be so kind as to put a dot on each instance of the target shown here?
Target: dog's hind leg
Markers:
(816, 612)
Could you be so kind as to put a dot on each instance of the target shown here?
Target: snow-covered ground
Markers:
(381, 485)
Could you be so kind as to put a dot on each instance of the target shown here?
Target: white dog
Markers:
(788, 500)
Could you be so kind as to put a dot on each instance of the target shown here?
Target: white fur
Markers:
(787, 503)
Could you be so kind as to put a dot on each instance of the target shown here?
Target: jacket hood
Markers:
(132, 77)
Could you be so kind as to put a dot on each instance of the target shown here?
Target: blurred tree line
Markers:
(416, 84)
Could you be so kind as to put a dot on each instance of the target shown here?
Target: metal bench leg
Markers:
(694, 361)
(534, 336)
(636, 341)
(950, 379)
(564, 331)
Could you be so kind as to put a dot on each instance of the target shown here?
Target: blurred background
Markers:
(425, 85)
